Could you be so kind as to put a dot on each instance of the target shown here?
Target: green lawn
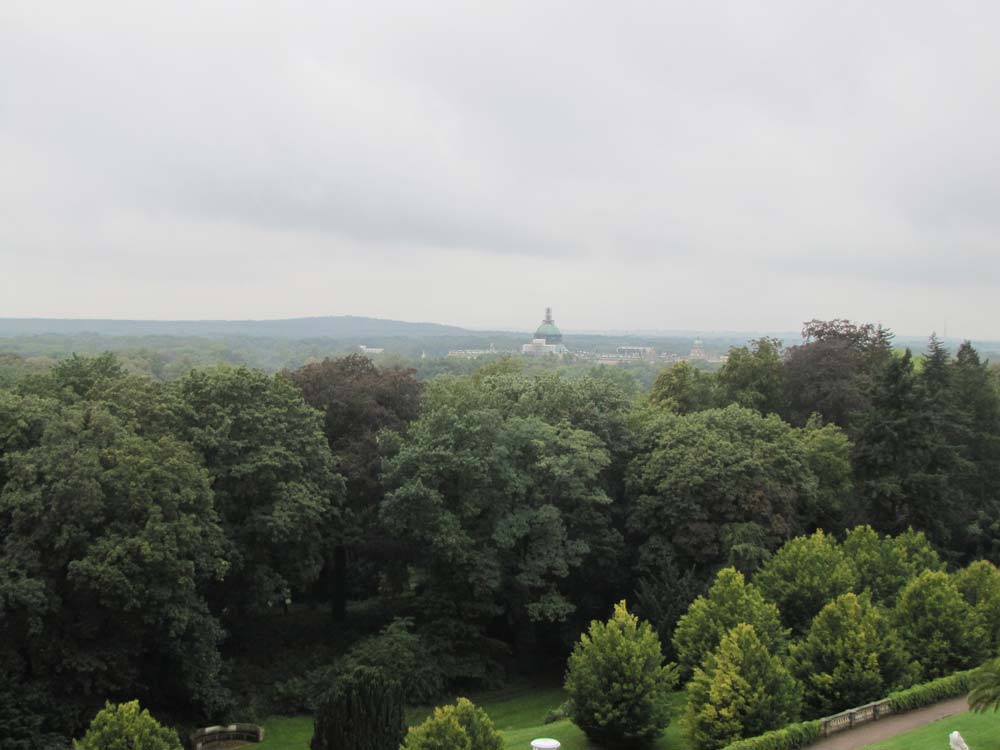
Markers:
(518, 712)
(981, 732)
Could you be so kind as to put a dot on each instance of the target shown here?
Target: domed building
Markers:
(547, 340)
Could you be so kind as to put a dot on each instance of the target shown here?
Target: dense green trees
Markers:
(110, 542)
(617, 682)
(719, 486)
(152, 535)
(497, 505)
(741, 690)
(273, 480)
(358, 400)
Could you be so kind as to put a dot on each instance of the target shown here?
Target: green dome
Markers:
(549, 332)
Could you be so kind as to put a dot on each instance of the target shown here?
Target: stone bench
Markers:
(210, 735)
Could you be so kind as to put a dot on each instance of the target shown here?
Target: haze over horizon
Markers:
(646, 166)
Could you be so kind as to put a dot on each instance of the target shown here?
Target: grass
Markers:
(981, 732)
(518, 712)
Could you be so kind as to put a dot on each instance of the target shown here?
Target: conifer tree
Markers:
(729, 602)
(850, 656)
(741, 690)
(364, 711)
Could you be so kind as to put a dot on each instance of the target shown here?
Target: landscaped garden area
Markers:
(519, 713)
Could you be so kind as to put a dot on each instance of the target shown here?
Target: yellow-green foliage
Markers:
(126, 727)
(617, 681)
(741, 690)
(462, 726)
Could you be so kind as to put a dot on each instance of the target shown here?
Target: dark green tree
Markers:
(753, 377)
(900, 481)
(683, 389)
(358, 400)
(700, 483)
(110, 542)
(741, 690)
(275, 489)
(364, 711)
(832, 371)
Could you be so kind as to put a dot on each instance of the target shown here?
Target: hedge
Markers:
(799, 735)
(787, 738)
(927, 693)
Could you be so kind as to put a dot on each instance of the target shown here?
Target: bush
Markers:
(124, 727)
(363, 712)
(787, 738)
(399, 652)
(560, 712)
(475, 730)
(931, 692)
(617, 682)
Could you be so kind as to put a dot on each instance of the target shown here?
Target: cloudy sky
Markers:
(738, 165)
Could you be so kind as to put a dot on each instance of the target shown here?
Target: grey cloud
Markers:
(824, 138)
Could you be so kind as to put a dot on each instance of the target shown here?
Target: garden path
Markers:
(883, 729)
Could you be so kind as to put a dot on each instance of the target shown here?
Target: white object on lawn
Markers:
(545, 743)
(957, 743)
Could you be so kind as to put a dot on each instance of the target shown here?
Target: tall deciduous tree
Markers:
(697, 480)
(272, 477)
(109, 543)
(832, 371)
(683, 389)
(753, 378)
(502, 500)
(358, 400)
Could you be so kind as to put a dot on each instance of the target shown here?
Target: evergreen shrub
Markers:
(931, 692)
(787, 738)
(364, 711)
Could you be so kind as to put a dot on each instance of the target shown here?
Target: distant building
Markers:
(547, 340)
(369, 350)
(698, 351)
(475, 353)
(636, 352)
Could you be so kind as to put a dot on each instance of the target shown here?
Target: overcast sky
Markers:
(711, 165)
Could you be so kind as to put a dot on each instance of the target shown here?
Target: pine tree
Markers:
(741, 690)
